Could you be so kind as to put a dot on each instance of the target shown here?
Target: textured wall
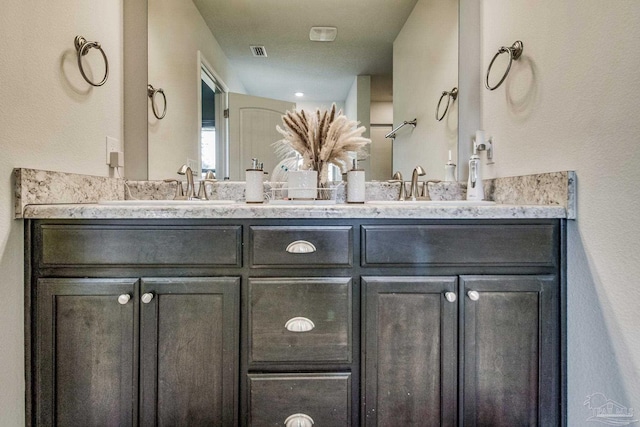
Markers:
(425, 63)
(571, 102)
(176, 33)
(50, 119)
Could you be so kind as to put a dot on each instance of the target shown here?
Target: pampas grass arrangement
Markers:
(326, 137)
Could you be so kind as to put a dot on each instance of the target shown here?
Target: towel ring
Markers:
(514, 54)
(82, 48)
(451, 96)
(152, 92)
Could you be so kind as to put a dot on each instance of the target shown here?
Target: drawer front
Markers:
(324, 398)
(486, 245)
(316, 246)
(300, 320)
(140, 245)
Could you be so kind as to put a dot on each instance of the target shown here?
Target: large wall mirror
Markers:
(380, 74)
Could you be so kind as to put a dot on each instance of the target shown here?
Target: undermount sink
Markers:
(164, 202)
(432, 202)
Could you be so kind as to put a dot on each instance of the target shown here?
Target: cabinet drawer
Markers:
(300, 320)
(319, 246)
(140, 245)
(324, 398)
(450, 245)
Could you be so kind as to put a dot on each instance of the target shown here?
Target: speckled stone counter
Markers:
(243, 210)
(46, 194)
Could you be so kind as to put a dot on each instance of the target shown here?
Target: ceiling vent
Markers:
(323, 34)
(259, 51)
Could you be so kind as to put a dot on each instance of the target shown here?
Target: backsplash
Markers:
(33, 186)
(47, 187)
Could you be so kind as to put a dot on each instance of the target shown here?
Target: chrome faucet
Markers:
(418, 171)
(186, 170)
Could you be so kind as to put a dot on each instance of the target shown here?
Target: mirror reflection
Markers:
(390, 62)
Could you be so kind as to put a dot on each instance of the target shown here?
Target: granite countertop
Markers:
(42, 194)
(243, 210)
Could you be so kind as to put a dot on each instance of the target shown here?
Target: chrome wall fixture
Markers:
(514, 51)
(152, 92)
(82, 48)
(451, 96)
(392, 134)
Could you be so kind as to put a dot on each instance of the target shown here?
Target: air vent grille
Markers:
(259, 51)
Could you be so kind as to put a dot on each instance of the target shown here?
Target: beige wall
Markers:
(357, 107)
(425, 63)
(177, 32)
(381, 148)
(50, 119)
(571, 102)
(358, 102)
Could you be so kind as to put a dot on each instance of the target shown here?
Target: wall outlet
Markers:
(113, 145)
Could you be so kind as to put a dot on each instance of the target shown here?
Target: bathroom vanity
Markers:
(294, 316)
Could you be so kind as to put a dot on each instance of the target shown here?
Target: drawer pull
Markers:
(473, 295)
(298, 420)
(299, 324)
(301, 247)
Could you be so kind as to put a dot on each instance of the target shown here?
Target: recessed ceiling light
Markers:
(323, 34)
(299, 94)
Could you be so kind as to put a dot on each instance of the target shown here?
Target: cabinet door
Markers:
(409, 351)
(189, 351)
(85, 352)
(511, 358)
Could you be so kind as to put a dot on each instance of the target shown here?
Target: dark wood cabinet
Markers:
(509, 361)
(410, 351)
(511, 348)
(87, 351)
(85, 348)
(189, 351)
(254, 322)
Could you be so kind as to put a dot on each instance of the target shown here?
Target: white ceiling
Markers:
(323, 71)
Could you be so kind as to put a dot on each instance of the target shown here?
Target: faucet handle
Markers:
(202, 190)
(397, 177)
(179, 190)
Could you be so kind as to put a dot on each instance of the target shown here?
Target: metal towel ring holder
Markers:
(152, 92)
(514, 54)
(82, 48)
(451, 96)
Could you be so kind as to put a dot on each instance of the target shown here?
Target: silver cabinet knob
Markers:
(473, 295)
(298, 420)
(146, 298)
(301, 247)
(124, 298)
(450, 296)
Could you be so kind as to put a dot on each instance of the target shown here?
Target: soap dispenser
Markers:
(355, 184)
(474, 184)
(254, 190)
